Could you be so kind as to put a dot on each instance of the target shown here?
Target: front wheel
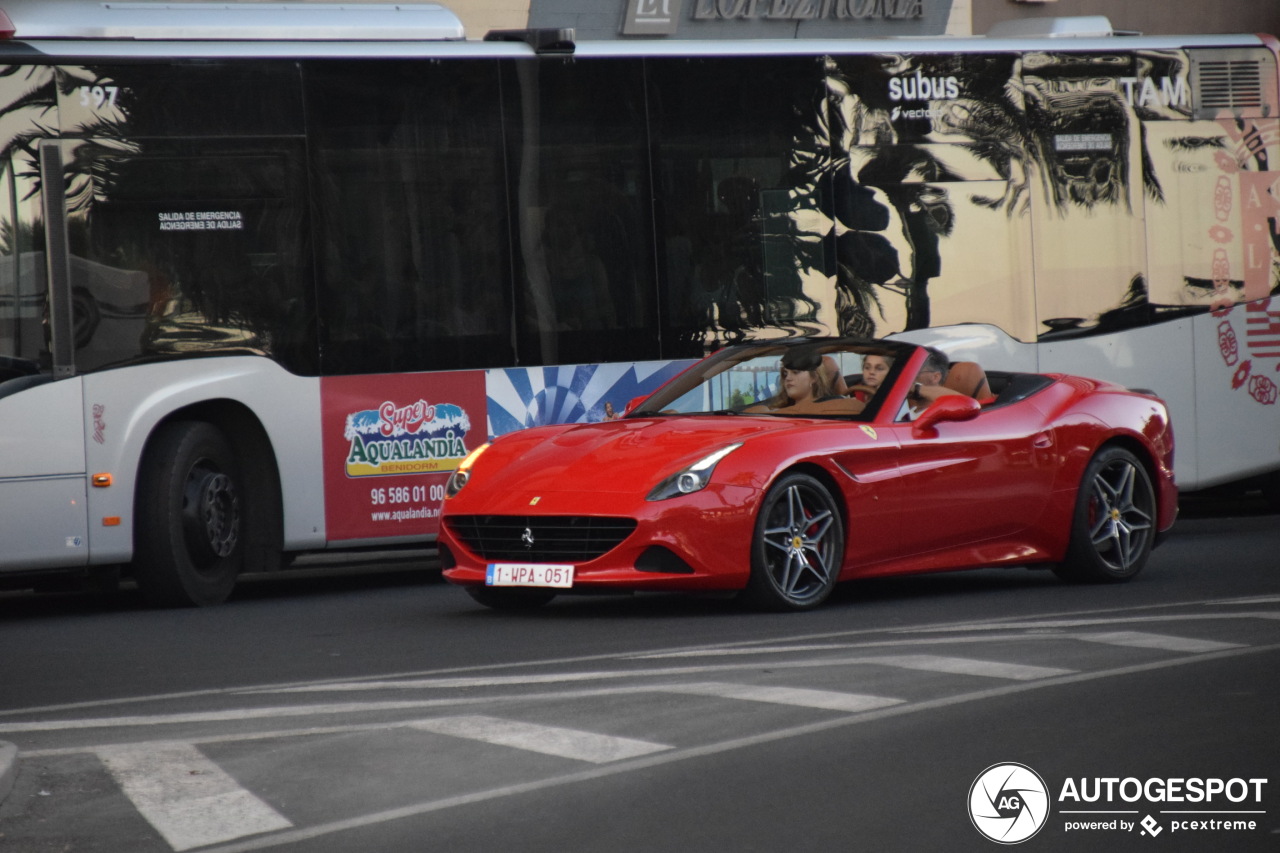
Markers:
(1113, 527)
(798, 546)
(188, 532)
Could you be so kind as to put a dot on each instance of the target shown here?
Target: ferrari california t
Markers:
(778, 469)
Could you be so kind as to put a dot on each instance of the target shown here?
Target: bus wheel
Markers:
(188, 543)
(1114, 524)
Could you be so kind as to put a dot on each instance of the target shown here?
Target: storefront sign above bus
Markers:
(720, 19)
(800, 10)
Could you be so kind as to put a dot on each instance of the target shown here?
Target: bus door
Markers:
(42, 456)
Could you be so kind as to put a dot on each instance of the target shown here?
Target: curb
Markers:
(8, 768)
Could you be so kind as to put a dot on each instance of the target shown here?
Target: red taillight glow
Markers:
(6, 26)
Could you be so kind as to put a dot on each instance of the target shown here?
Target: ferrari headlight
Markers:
(691, 479)
(459, 478)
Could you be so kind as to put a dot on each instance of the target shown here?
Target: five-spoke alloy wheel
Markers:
(1114, 524)
(798, 546)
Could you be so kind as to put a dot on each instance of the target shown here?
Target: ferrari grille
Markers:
(540, 538)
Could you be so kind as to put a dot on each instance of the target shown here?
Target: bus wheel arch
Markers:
(207, 506)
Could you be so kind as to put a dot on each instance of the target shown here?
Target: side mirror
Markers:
(635, 401)
(952, 407)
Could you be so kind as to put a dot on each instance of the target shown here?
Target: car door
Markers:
(969, 482)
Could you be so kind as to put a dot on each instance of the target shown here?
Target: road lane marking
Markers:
(929, 663)
(970, 666)
(825, 699)
(935, 663)
(1164, 642)
(191, 801)
(752, 650)
(549, 740)
(1040, 624)
(1071, 618)
(233, 715)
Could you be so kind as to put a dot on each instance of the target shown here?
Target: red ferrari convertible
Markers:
(780, 468)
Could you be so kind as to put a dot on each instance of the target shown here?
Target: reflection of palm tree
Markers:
(31, 116)
(868, 169)
(863, 206)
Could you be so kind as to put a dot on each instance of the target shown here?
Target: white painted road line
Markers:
(828, 700)
(970, 666)
(1164, 642)
(1059, 624)
(934, 663)
(235, 715)
(745, 650)
(189, 800)
(549, 740)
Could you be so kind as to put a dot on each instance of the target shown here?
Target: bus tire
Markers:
(189, 520)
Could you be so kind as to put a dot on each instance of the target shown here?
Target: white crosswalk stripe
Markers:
(1164, 642)
(550, 740)
(190, 800)
(969, 666)
(825, 699)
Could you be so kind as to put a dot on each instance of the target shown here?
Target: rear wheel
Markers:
(188, 530)
(510, 599)
(798, 546)
(1113, 528)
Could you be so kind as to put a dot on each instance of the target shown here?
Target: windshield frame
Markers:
(666, 400)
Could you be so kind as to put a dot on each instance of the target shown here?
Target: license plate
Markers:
(529, 574)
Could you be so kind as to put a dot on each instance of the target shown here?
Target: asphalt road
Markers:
(380, 709)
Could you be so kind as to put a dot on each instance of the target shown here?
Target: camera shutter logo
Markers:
(1008, 803)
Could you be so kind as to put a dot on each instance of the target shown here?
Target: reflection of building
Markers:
(607, 19)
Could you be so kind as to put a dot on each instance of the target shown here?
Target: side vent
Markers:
(1230, 84)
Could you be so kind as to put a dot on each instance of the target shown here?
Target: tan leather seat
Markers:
(969, 378)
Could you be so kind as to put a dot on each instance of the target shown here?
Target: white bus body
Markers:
(268, 272)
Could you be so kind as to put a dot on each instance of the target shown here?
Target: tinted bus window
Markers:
(24, 349)
(410, 222)
(197, 246)
(186, 219)
(195, 97)
(736, 148)
(581, 188)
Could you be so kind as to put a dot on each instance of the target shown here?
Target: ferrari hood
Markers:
(615, 456)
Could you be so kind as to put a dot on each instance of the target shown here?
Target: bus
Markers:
(269, 272)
